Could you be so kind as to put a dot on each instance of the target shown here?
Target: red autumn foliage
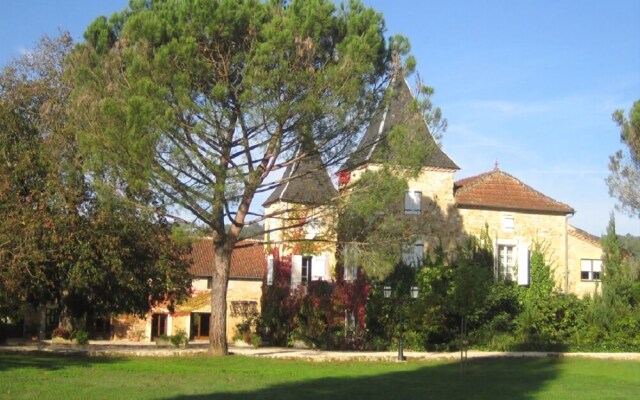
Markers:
(324, 314)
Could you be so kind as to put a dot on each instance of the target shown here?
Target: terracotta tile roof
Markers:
(499, 190)
(584, 235)
(247, 260)
(395, 109)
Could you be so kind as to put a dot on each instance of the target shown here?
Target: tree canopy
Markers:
(60, 243)
(624, 180)
(200, 101)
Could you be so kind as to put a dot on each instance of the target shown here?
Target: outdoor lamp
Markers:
(387, 291)
(414, 292)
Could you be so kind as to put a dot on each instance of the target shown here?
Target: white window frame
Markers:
(506, 264)
(413, 202)
(512, 261)
(592, 267)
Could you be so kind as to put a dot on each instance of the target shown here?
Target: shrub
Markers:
(180, 338)
(82, 338)
(256, 340)
(60, 332)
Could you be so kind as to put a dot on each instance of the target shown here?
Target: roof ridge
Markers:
(536, 191)
(471, 181)
(581, 233)
(465, 193)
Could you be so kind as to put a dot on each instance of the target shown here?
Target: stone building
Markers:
(192, 316)
(445, 211)
(302, 220)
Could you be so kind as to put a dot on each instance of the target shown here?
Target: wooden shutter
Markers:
(419, 251)
(523, 265)
(408, 254)
(319, 268)
(270, 270)
(296, 270)
(348, 261)
(412, 202)
(417, 201)
(496, 259)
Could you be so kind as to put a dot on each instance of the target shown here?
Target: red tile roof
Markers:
(499, 190)
(247, 260)
(584, 235)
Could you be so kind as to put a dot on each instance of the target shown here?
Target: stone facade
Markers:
(527, 229)
(582, 247)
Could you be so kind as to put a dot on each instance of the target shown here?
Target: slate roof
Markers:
(499, 190)
(247, 260)
(394, 110)
(304, 182)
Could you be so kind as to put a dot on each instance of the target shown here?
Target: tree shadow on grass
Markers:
(515, 379)
(50, 362)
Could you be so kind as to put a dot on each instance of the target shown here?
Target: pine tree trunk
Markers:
(218, 322)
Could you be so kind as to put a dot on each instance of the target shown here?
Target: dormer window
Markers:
(312, 229)
(413, 202)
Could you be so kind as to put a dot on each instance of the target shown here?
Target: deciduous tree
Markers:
(61, 243)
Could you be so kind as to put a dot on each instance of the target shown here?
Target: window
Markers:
(413, 202)
(506, 262)
(306, 269)
(200, 325)
(413, 254)
(590, 270)
(244, 309)
(508, 223)
(158, 325)
(312, 229)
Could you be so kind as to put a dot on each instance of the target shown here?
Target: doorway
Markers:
(200, 325)
(158, 325)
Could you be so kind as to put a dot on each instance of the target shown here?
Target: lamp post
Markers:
(413, 292)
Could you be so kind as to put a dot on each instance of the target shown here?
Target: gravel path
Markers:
(131, 349)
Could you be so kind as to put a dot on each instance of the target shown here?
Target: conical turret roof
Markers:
(305, 181)
(396, 109)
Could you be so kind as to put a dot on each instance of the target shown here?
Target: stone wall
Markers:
(286, 236)
(130, 327)
(582, 248)
(243, 298)
(527, 229)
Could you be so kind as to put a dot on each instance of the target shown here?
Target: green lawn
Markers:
(235, 377)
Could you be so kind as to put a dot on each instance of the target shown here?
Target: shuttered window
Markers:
(270, 270)
(413, 202)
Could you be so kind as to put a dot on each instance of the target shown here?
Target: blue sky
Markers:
(531, 84)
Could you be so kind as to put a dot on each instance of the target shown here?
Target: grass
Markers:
(240, 378)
